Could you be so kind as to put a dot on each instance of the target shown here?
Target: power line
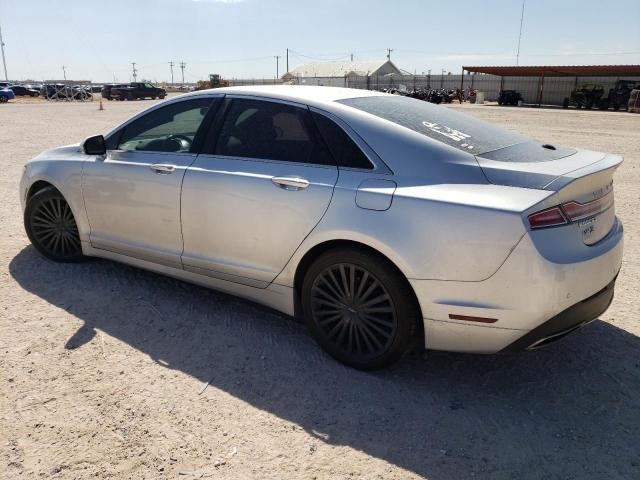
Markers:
(520, 34)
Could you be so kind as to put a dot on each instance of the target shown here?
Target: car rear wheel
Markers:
(4, 99)
(359, 308)
(51, 226)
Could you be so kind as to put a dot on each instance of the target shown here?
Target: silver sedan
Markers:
(377, 218)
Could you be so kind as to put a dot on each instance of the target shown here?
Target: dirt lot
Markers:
(103, 367)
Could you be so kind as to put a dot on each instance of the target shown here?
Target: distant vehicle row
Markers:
(592, 95)
(132, 91)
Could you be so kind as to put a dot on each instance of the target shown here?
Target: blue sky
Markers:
(97, 40)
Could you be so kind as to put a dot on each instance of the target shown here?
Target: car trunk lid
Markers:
(582, 181)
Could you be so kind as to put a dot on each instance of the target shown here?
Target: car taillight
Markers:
(547, 218)
(570, 212)
(578, 211)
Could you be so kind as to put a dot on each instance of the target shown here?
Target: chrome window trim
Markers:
(378, 164)
(269, 160)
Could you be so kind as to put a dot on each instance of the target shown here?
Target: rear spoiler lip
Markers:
(609, 161)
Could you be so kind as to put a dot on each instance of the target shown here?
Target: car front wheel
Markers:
(359, 308)
(51, 226)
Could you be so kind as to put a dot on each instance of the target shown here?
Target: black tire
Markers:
(162, 95)
(359, 308)
(51, 226)
(4, 99)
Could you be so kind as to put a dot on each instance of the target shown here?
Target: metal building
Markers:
(338, 73)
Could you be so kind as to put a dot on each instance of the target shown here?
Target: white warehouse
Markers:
(337, 74)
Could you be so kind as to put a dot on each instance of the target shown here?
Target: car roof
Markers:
(307, 94)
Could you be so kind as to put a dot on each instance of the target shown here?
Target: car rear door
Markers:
(132, 195)
(257, 191)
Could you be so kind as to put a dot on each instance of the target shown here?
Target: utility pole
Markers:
(287, 60)
(171, 66)
(520, 34)
(352, 58)
(64, 73)
(135, 72)
(182, 67)
(4, 61)
(277, 57)
(389, 50)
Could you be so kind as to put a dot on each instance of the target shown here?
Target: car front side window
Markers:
(167, 129)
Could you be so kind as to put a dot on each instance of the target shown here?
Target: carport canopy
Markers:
(542, 71)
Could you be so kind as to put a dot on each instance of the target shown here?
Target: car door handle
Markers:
(290, 183)
(163, 168)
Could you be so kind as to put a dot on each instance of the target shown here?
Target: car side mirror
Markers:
(94, 145)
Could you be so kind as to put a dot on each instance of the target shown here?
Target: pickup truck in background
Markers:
(132, 91)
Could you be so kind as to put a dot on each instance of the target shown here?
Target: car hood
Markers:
(61, 153)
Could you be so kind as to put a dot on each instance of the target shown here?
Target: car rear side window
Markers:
(439, 123)
(168, 129)
(269, 130)
(344, 150)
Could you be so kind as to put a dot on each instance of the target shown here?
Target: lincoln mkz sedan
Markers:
(376, 218)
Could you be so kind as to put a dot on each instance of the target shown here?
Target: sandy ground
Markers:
(103, 367)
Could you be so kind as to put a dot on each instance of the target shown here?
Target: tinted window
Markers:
(167, 129)
(343, 149)
(440, 123)
(269, 130)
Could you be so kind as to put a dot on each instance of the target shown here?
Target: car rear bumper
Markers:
(566, 321)
(525, 303)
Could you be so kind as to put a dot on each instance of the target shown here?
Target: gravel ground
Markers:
(103, 367)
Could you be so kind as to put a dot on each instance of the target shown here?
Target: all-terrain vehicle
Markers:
(509, 97)
(619, 95)
(585, 95)
(633, 106)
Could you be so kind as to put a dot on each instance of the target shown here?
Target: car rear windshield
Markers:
(456, 129)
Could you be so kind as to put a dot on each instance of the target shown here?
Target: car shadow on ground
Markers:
(570, 410)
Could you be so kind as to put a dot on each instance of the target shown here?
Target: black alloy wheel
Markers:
(51, 226)
(359, 308)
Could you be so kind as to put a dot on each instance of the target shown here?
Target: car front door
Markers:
(259, 190)
(132, 194)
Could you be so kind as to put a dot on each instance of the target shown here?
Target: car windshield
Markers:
(439, 123)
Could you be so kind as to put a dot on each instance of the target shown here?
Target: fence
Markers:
(555, 89)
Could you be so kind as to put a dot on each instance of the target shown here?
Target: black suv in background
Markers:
(133, 91)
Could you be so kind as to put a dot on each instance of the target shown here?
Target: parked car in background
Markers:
(378, 219)
(136, 91)
(23, 91)
(509, 97)
(106, 89)
(6, 94)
